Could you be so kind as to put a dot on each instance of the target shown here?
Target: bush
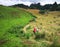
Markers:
(40, 23)
(33, 20)
(42, 11)
(40, 36)
(17, 30)
(27, 35)
(44, 44)
(55, 43)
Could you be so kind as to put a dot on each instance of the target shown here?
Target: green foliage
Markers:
(15, 29)
(12, 17)
(27, 35)
(55, 42)
(11, 33)
(40, 23)
(44, 44)
(12, 20)
(54, 7)
(39, 36)
(42, 11)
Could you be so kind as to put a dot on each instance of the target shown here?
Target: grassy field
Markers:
(48, 24)
(16, 28)
(11, 20)
(49, 21)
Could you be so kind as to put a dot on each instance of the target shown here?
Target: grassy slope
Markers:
(48, 23)
(10, 17)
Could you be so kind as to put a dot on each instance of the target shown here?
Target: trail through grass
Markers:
(48, 23)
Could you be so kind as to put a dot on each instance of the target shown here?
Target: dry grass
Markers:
(48, 23)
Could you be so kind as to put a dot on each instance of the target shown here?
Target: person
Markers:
(34, 30)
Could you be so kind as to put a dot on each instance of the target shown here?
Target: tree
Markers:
(47, 6)
(21, 5)
(58, 8)
(35, 6)
(54, 7)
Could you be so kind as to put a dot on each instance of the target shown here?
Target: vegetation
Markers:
(39, 36)
(43, 11)
(48, 28)
(51, 7)
(13, 20)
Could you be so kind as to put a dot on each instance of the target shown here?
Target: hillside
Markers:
(48, 24)
(17, 24)
(12, 20)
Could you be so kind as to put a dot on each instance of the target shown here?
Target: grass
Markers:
(11, 19)
(47, 23)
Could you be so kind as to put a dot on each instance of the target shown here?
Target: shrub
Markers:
(40, 36)
(27, 35)
(33, 15)
(50, 21)
(55, 43)
(42, 11)
(40, 23)
(54, 17)
(58, 29)
(44, 44)
(17, 30)
(33, 20)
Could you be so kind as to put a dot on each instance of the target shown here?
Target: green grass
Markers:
(12, 21)
(9, 18)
